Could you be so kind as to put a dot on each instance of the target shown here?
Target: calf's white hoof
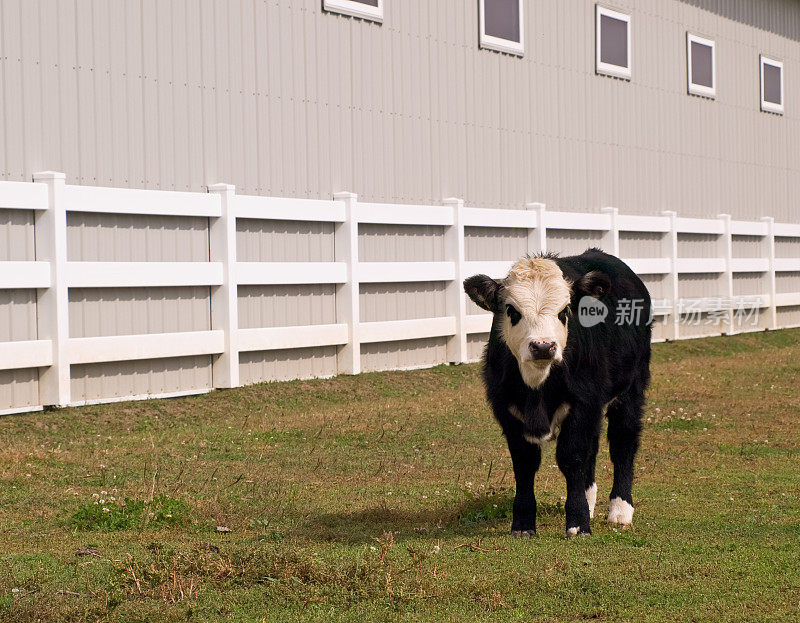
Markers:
(620, 512)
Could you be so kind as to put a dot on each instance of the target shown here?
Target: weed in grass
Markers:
(108, 514)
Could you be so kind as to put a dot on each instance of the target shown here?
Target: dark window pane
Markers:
(502, 19)
(702, 65)
(772, 84)
(369, 2)
(613, 41)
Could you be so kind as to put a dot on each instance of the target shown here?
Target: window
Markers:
(501, 26)
(613, 54)
(366, 9)
(771, 85)
(700, 66)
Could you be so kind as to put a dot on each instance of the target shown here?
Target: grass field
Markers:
(387, 497)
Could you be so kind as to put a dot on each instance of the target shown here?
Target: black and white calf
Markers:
(555, 364)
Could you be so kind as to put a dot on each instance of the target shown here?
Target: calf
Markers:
(570, 341)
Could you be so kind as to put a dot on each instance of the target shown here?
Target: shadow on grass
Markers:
(470, 518)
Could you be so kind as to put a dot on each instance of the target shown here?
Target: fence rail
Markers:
(53, 274)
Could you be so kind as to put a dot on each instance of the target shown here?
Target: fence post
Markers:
(345, 244)
(671, 251)
(611, 236)
(773, 290)
(225, 298)
(726, 249)
(456, 305)
(537, 238)
(52, 304)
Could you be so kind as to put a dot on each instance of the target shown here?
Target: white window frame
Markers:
(498, 44)
(607, 68)
(771, 106)
(355, 9)
(701, 89)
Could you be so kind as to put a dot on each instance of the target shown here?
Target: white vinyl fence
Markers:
(49, 358)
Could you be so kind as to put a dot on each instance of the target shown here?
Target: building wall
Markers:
(18, 388)
(283, 99)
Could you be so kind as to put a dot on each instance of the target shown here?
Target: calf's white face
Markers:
(533, 301)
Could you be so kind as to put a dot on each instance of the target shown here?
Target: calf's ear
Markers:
(483, 290)
(594, 283)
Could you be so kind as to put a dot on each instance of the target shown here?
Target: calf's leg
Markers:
(526, 458)
(624, 430)
(590, 486)
(574, 455)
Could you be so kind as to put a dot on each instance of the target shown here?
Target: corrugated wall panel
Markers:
(95, 312)
(699, 285)
(283, 99)
(789, 316)
(787, 247)
(403, 355)
(788, 282)
(640, 244)
(286, 306)
(133, 238)
(18, 388)
(286, 365)
(400, 243)
(475, 345)
(283, 241)
(148, 377)
(17, 315)
(401, 301)
(572, 242)
(748, 246)
(494, 243)
(698, 245)
(281, 306)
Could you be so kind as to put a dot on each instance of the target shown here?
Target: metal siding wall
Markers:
(400, 243)
(287, 365)
(18, 388)
(283, 241)
(572, 242)
(640, 244)
(494, 243)
(283, 99)
(787, 282)
(786, 247)
(286, 306)
(96, 381)
(401, 301)
(134, 238)
(94, 312)
(403, 355)
(475, 345)
(748, 246)
(281, 306)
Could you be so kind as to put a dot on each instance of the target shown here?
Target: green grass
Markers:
(388, 497)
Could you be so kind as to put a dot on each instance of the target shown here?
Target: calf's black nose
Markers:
(542, 350)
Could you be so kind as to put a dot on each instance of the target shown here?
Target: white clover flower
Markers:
(436, 549)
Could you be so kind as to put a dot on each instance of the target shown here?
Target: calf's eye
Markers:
(513, 314)
(562, 316)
